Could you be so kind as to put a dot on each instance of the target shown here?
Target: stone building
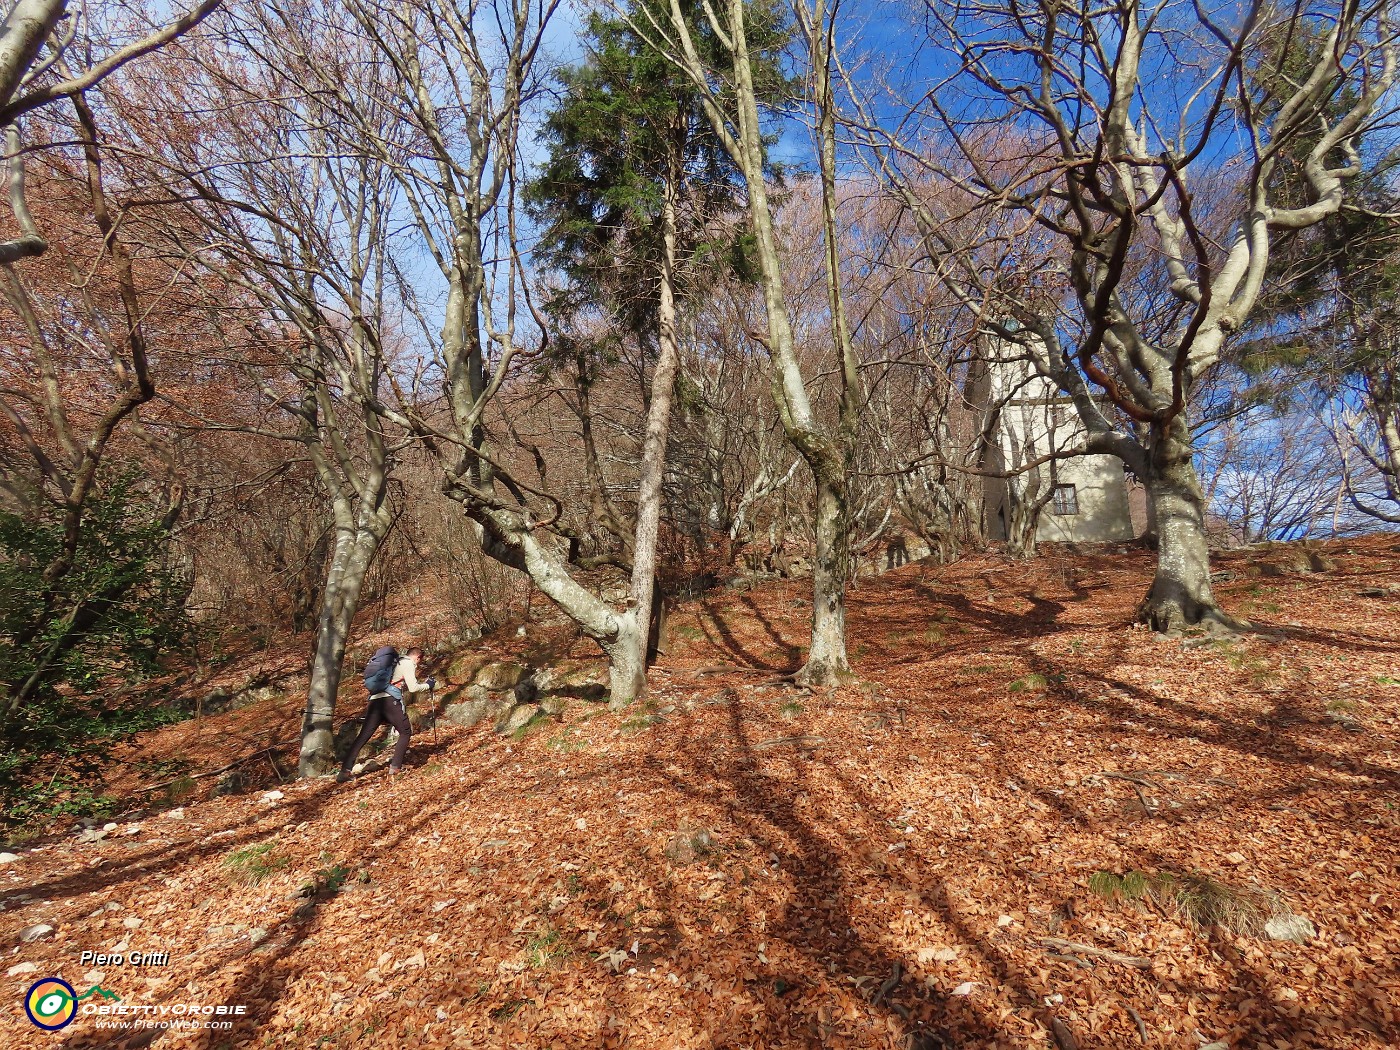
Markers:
(1079, 499)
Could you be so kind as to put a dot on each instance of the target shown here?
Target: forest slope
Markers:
(745, 865)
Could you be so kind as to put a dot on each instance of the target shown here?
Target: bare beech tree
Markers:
(729, 451)
(464, 77)
(1365, 425)
(297, 216)
(730, 100)
(74, 334)
(1148, 297)
(36, 43)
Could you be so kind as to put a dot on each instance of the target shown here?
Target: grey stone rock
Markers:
(231, 783)
(457, 639)
(37, 932)
(517, 717)
(1320, 562)
(8, 858)
(499, 676)
(553, 705)
(798, 568)
(216, 701)
(249, 697)
(1296, 928)
(581, 678)
(466, 714)
(476, 692)
(686, 847)
(464, 668)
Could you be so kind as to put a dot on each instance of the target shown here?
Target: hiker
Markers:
(387, 676)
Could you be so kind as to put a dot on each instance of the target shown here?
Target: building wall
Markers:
(1102, 497)
(1037, 419)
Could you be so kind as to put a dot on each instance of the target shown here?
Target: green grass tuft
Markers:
(567, 742)
(640, 722)
(1032, 683)
(254, 863)
(1202, 901)
(546, 948)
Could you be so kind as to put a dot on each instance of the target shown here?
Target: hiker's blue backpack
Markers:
(379, 672)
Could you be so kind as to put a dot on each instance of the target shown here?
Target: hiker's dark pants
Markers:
(383, 707)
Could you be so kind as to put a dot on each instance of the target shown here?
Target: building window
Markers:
(1066, 501)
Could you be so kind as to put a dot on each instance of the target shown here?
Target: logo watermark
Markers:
(51, 1004)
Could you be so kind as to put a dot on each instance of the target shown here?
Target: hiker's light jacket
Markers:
(406, 677)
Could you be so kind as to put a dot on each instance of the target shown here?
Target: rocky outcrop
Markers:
(511, 694)
(477, 705)
(234, 698)
(505, 674)
(582, 679)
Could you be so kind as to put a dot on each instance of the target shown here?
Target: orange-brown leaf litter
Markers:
(883, 861)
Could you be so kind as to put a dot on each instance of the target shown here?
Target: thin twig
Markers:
(889, 985)
(1064, 1038)
(273, 763)
(1142, 1028)
(210, 773)
(1148, 805)
(802, 741)
(1099, 953)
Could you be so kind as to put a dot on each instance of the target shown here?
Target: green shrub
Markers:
(41, 802)
(329, 879)
(67, 643)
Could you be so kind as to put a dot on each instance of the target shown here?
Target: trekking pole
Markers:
(432, 699)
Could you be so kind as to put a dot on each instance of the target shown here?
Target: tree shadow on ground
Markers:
(721, 634)
(819, 922)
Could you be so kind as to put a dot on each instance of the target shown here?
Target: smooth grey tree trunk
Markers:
(340, 600)
(1180, 595)
(628, 673)
(826, 453)
(826, 659)
(25, 28)
(627, 664)
(827, 662)
(1022, 521)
